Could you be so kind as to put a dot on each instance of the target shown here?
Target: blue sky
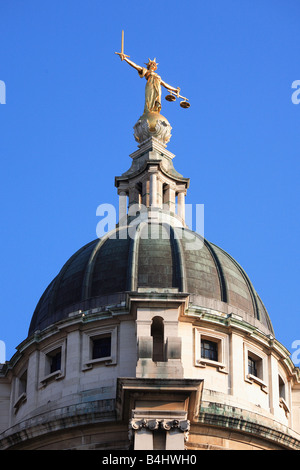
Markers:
(67, 130)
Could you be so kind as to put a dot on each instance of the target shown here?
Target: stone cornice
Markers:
(75, 320)
(282, 437)
(62, 419)
(235, 323)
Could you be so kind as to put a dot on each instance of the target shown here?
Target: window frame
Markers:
(260, 360)
(87, 347)
(20, 391)
(53, 357)
(252, 367)
(212, 350)
(285, 397)
(47, 353)
(93, 346)
(222, 346)
(281, 386)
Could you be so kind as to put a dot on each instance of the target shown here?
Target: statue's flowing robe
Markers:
(152, 90)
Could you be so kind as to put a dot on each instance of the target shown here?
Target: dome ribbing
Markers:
(158, 257)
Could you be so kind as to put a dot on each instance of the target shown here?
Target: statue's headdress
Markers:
(152, 62)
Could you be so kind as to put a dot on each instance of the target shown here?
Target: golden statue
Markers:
(153, 85)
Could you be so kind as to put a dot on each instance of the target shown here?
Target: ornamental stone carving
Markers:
(166, 424)
(160, 130)
(183, 425)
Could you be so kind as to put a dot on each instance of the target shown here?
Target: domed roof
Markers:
(157, 257)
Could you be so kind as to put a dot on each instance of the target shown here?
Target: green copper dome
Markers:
(102, 273)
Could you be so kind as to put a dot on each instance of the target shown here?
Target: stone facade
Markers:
(146, 344)
(191, 402)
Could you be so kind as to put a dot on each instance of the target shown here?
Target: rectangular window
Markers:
(55, 361)
(256, 368)
(283, 398)
(209, 350)
(281, 385)
(23, 383)
(52, 363)
(21, 389)
(101, 347)
(252, 366)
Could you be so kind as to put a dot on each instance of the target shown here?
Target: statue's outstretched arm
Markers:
(133, 64)
(170, 88)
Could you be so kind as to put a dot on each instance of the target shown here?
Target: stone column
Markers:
(133, 196)
(170, 198)
(122, 208)
(143, 439)
(153, 189)
(181, 206)
(177, 433)
(159, 193)
(145, 193)
(175, 440)
(236, 368)
(274, 397)
(32, 381)
(142, 430)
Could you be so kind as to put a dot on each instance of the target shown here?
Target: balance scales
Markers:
(172, 95)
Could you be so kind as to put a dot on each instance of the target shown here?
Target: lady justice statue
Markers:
(152, 123)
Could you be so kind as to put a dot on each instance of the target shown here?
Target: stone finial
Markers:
(152, 125)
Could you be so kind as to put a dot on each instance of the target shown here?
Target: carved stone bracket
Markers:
(183, 425)
(153, 424)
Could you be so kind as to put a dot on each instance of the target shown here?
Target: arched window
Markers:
(157, 333)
